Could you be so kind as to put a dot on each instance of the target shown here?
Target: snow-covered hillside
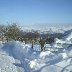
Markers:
(45, 28)
(16, 56)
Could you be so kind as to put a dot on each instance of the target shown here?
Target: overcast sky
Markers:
(36, 11)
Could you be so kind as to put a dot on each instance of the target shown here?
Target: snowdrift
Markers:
(16, 56)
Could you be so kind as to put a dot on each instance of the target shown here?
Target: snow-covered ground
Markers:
(46, 28)
(16, 56)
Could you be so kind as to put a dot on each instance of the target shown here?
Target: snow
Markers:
(17, 56)
(33, 63)
(45, 28)
(51, 69)
(43, 54)
(69, 37)
(1, 44)
(64, 55)
(6, 63)
(59, 41)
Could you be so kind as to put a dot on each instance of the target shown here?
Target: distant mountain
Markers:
(50, 25)
(47, 28)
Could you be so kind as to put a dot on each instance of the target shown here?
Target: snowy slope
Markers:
(6, 63)
(16, 56)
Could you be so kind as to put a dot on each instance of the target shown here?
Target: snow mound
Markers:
(44, 54)
(57, 46)
(1, 44)
(6, 63)
(69, 38)
(59, 41)
(33, 63)
(51, 69)
(33, 60)
(17, 49)
(64, 55)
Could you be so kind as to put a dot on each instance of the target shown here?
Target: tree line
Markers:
(13, 32)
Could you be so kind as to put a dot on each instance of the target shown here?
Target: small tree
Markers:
(2, 32)
(42, 42)
(50, 40)
(31, 37)
(12, 32)
(32, 41)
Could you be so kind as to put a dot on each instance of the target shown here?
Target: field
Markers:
(18, 56)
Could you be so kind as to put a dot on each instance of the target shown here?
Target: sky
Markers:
(36, 11)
